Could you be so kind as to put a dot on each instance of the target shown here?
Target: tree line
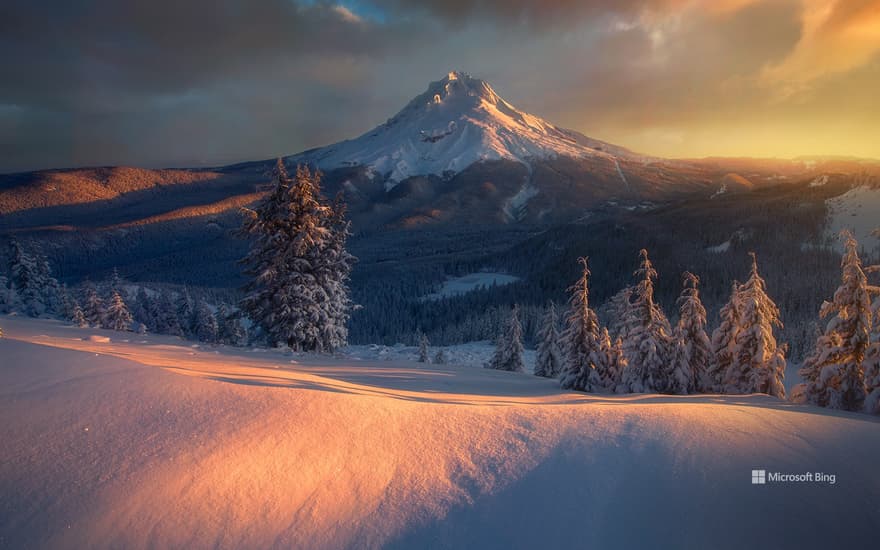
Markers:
(641, 352)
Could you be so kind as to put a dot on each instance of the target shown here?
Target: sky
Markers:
(211, 82)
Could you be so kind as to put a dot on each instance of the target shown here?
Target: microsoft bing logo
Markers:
(759, 477)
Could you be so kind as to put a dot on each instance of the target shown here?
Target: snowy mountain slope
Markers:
(859, 211)
(147, 442)
(458, 121)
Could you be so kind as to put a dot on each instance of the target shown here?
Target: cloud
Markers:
(837, 37)
(206, 82)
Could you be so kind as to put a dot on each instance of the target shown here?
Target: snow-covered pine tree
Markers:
(724, 338)
(8, 297)
(440, 358)
(117, 316)
(65, 303)
(758, 363)
(333, 267)
(509, 347)
(93, 306)
(614, 311)
(144, 310)
(50, 290)
(548, 360)
(232, 332)
(580, 339)
(423, 348)
(609, 365)
(833, 373)
(186, 313)
(298, 294)
(167, 321)
(872, 364)
(205, 323)
(77, 317)
(647, 341)
(692, 353)
(27, 280)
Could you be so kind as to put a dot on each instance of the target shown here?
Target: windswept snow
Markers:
(150, 442)
(859, 211)
(472, 281)
(456, 122)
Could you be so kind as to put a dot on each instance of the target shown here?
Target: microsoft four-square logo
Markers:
(759, 477)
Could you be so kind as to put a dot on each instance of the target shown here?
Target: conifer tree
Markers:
(298, 293)
(423, 348)
(8, 297)
(548, 360)
(440, 358)
(580, 339)
(93, 306)
(26, 279)
(167, 321)
(145, 310)
(692, 352)
(724, 339)
(608, 367)
(647, 342)
(758, 363)
(509, 347)
(232, 332)
(77, 317)
(186, 311)
(834, 372)
(205, 326)
(117, 317)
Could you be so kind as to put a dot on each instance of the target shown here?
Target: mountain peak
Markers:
(457, 121)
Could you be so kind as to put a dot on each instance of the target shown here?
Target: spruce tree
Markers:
(77, 317)
(440, 358)
(167, 321)
(186, 313)
(26, 279)
(692, 352)
(93, 306)
(580, 339)
(608, 367)
(758, 363)
(723, 340)
(298, 293)
(509, 347)
(144, 310)
(117, 316)
(232, 332)
(205, 326)
(833, 373)
(8, 298)
(548, 360)
(423, 348)
(647, 342)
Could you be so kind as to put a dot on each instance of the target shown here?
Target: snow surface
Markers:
(859, 211)
(458, 121)
(457, 286)
(153, 442)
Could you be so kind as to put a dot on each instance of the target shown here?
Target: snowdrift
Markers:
(153, 442)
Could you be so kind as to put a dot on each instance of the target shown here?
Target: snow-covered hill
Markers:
(458, 121)
(859, 211)
(151, 442)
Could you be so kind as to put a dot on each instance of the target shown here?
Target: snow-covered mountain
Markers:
(455, 123)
